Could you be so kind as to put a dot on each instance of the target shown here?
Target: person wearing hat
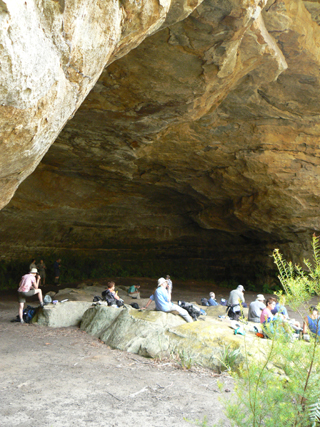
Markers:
(255, 309)
(236, 295)
(161, 298)
(233, 306)
(29, 286)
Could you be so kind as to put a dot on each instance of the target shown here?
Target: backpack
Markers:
(109, 297)
(96, 298)
(204, 302)
(28, 313)
(191, 309)
(233, 311)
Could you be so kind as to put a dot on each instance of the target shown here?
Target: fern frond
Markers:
(314, 413)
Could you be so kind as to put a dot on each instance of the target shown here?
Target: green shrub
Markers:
(282, 388)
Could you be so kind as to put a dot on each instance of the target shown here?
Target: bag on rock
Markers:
(204, 302)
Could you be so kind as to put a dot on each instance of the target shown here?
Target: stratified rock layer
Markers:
(200, 144)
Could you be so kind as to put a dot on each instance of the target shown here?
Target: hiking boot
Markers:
(21, 321)
(41, 304)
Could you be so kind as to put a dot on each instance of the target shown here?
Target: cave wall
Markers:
(200, 145)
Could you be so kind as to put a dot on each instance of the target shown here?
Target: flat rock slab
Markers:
(61, 315)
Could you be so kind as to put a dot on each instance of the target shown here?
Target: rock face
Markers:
(199, 143)
(61, 315)
(157, 334)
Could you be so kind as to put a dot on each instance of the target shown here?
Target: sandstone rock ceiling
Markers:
(203, 140)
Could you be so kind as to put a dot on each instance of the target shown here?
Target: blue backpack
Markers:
(28, 313)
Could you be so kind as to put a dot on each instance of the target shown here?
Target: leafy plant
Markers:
(186, 360)
(281, 386)
(314, 413)
(229, 358)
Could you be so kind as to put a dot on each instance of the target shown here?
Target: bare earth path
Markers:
(64, 377)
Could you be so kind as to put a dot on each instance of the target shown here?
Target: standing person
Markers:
(161, 298)
(42, 271)
(235, 298)
(169, 282)
(29, 286)
(255, 309)
(56, 269)
(32, 265)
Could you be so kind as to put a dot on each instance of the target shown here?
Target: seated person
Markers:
(212, 300)
(280, 308)
(134, 292)
(111, 296)
(266, 315)
(255, 309)
(274, 323)
(312, 321)
(161, 298)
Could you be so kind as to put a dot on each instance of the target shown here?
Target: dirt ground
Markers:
(63, 377)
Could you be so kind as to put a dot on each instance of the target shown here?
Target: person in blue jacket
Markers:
(161, 298)
(212, 299)
(312, 321)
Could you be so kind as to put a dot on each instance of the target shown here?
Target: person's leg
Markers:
(183, 313)
(39, 292)
(21, 305)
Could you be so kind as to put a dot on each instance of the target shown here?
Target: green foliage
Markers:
(314, 413)
(271, 391)
(281, 388)
(203, 423)
(186, 360)
(229, 358)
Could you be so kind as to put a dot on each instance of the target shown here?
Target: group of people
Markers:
(260, 311)
(269, 311)
(41, 270)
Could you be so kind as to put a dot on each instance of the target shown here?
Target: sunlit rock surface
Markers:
(199, 144)
(158, 334)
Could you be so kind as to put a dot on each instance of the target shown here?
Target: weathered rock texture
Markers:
(61, 315)
(200, 144)
(157, 334)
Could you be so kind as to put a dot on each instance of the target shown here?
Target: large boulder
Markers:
(154, 334)
(60, 315)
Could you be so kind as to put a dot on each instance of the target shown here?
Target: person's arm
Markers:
(36, 282)
(305, 325)
(115, 295)
(147, 305)
(149, 302)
